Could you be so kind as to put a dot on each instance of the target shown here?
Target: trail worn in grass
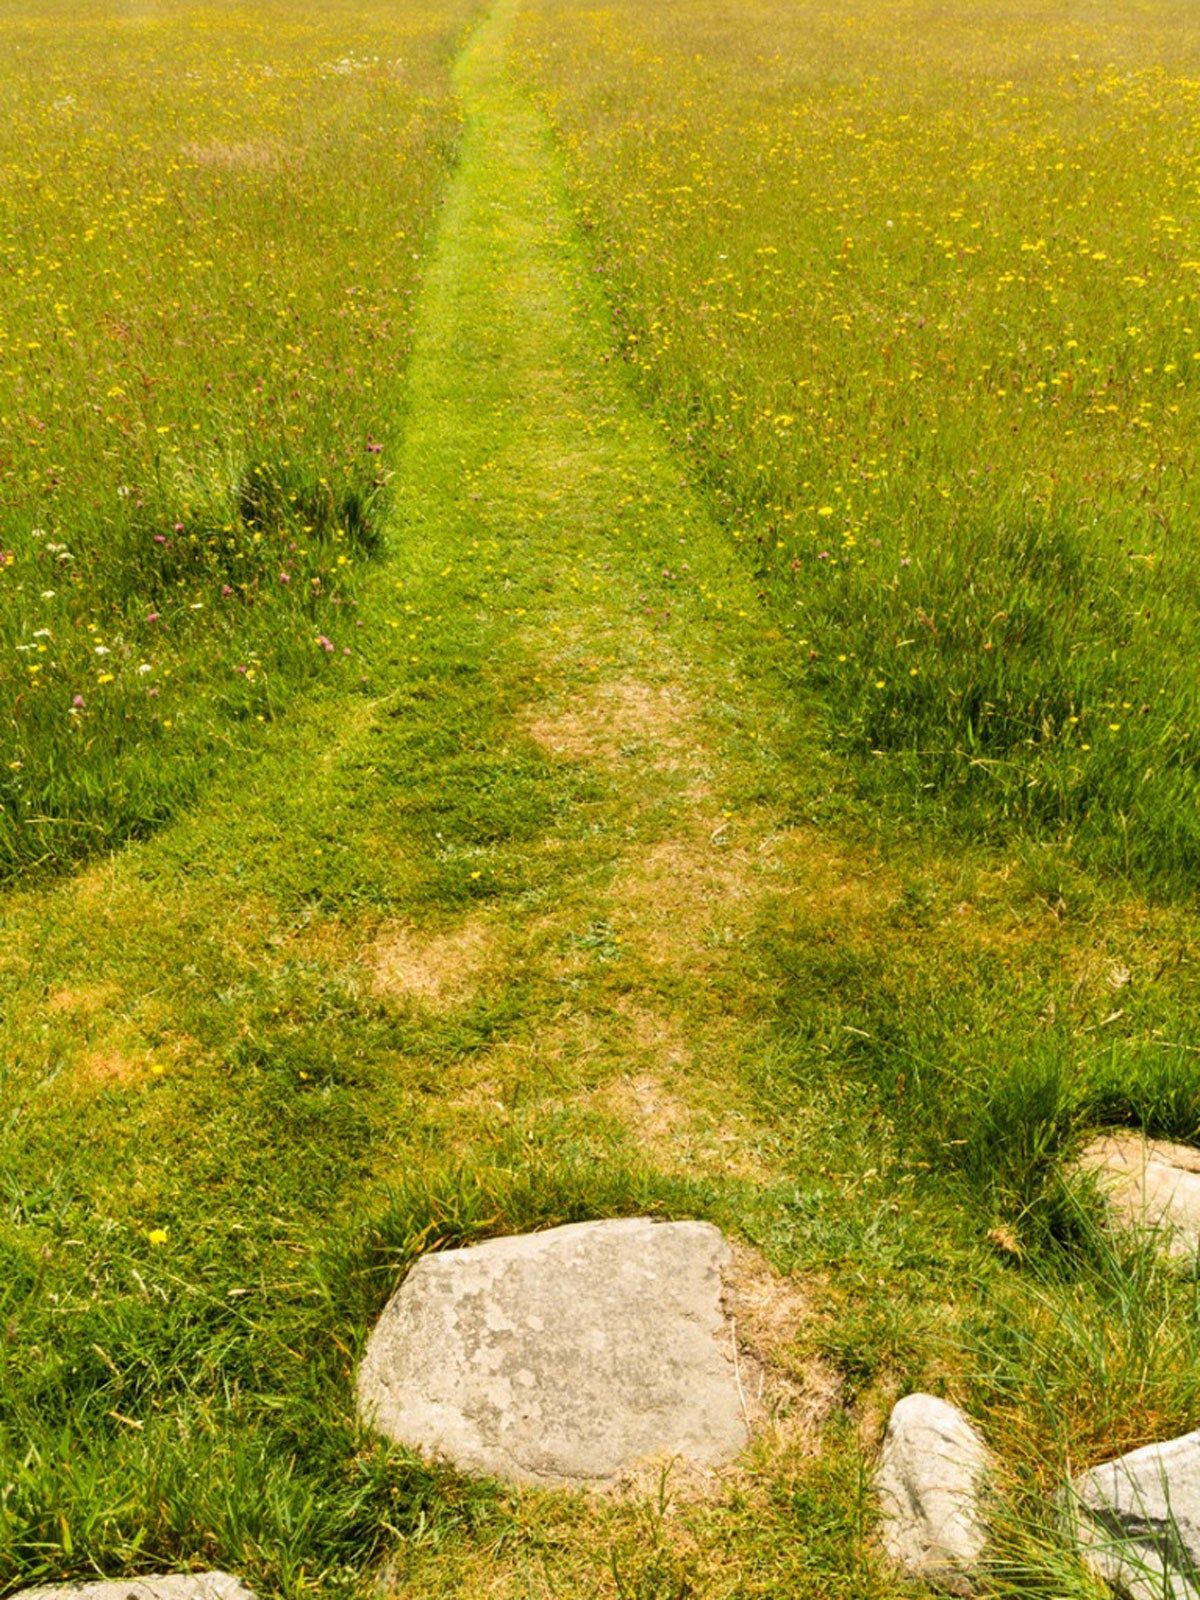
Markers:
(557, 916)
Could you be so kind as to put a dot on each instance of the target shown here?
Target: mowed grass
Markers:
(212, 219)
(917, 287)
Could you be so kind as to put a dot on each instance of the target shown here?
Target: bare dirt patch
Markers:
(438, 971)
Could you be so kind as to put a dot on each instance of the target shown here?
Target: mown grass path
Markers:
(532, 924)
(458, 950)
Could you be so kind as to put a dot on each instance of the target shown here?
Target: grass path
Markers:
(540, 922)
(462, 951)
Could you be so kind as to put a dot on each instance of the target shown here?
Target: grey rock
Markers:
(1151, 1185)
(930, 1482)
(564, 1357)
(174, 1586)
(1137, 1520)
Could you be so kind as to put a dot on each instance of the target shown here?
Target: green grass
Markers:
(913, 288)
(564, 912)
(213, 223)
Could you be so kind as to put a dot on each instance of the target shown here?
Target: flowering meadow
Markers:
(918, 287)
(212, 219)
(724, 562)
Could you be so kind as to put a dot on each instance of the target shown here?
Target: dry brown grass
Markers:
(788, 1393)
(108, 1067)
(672, 1119)
(436, 971)
(82, 1002)
(654, 1115)
(681, 893)
(619, 718)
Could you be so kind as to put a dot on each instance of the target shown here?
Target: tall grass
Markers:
(193, 1403)
(916, 286)
(211, 224)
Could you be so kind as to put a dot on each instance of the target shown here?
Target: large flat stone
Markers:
(930, 1482)
(1137, 1520)
(564, 1357)
(1151, 1185)
(174, 1586)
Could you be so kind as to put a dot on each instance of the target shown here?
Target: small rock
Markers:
(1137, 1520)
(1152, 1186)
(930, 1481)
(174, 1586)
(562, 1357)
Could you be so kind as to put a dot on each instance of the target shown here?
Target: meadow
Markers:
(211, 227)
(916, 287)
(596, 617)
